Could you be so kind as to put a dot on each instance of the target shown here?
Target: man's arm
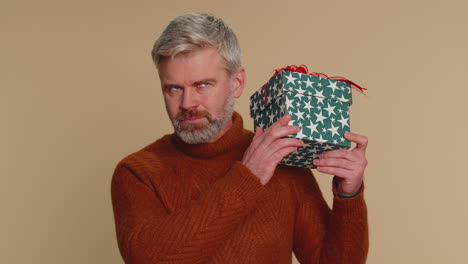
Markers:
(148, 233)
(322, 235)
(344, 232)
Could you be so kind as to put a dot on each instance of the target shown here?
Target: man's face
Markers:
(199, 94)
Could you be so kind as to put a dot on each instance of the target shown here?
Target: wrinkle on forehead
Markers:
(190, 67)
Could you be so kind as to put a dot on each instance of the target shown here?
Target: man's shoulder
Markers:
(149, 157)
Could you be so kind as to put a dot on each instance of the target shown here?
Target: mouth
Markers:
(193, 120)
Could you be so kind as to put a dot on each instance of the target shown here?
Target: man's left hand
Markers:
(347, 165)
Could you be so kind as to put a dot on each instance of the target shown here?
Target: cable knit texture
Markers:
(179, 203)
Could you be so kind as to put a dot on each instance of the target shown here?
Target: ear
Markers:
(239, 82)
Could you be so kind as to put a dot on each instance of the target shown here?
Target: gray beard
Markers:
(214, 126)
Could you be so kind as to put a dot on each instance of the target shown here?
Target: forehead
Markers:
(193, 66)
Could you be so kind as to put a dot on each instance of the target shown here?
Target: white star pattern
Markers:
(299, 95)
(300, 134)
(312, 127)
(342, 99)
(327, 147)
(291, 79)
(299, 115)
(254, 107)
(333, 86)
(334, 130)
(344, 121)
(300, 90)
(272, 118)
(320, 97)
(314, 150)
(320, 117)
(269, 98)
(308, 83)
(289, 104)
(320, 100)
(330, 109)
(319, 94)
(307, 106)
(282, 108)
(275, 87)
(320, 139)
(298, 158)
(258, 118)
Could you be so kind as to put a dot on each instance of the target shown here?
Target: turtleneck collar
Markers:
(232, 140)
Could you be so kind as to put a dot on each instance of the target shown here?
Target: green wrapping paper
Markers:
(317, 105)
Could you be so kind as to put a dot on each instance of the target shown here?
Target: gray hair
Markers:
(197, 30)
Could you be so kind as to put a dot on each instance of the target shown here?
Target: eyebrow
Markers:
(210, 80)
(170, 84)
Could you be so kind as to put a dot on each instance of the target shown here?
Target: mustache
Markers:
(193, 114)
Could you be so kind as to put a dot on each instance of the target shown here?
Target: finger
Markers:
(280, 154)
(258, 133)
(284, 143)
(256, 138)
(360, 140)
(284, 120)
(335, 162)
(339, 153)
(273, 134)
(338, 172)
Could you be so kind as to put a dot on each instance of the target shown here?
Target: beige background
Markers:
(79, 92)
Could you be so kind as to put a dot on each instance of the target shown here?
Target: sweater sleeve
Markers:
(148, 233)
(322, 235)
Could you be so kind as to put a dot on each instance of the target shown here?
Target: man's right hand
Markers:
(269, 147)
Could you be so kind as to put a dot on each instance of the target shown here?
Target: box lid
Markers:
(287, 81)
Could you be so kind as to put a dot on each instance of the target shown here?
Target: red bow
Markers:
(304, 70)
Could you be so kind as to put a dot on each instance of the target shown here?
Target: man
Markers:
(213, 192)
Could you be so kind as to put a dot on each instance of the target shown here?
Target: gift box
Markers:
(318, 106)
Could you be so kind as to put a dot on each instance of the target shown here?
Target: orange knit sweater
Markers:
(180, 203)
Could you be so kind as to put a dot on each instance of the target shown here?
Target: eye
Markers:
(204, 84)
(173, 88)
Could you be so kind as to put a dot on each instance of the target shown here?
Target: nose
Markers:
(189, 99)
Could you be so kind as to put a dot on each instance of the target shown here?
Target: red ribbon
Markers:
(304, 70)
